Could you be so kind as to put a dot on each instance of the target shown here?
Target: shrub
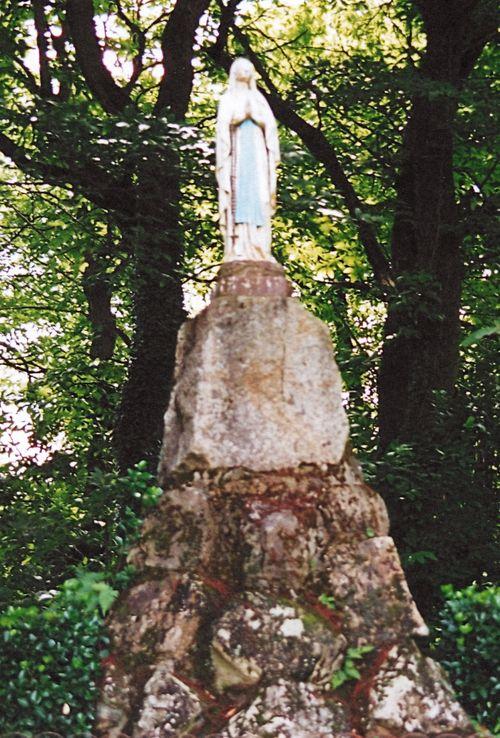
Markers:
(49, 525)
(51, 649)
(50, 658)
(467, 643)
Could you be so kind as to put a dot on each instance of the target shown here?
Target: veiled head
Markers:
(242, 72)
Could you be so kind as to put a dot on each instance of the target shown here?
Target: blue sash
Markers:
(248, 205)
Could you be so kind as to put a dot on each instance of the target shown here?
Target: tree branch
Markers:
(177, 46)
(29, 366)
(42, 34)
(140, 37)
(80, 16)
(59, 46)
(475, 22)
(95, 184)
(228, 13)
(27, 76)
(97, 289)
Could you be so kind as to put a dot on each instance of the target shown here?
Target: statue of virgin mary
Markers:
(247, 153)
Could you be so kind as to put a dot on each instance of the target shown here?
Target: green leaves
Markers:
(419, 557)
(467, 642)
(328, 601)
(90, 589)
(50, 658)
(477, 335)
(349, 670)
(69, 511)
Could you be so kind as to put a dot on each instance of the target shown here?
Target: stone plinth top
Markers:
(256, 386)
(256, 278)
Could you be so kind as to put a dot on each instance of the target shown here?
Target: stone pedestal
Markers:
(252, 278)
(256, 386)
(269, 599)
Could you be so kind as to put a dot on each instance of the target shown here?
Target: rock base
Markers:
(271, 604)
(256, 386)
(269, 600)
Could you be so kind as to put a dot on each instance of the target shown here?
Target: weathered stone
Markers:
(267, 560)
(411, 694)
(276, 525)
(259, 639)
(256, 387)
(170, 708)
(155, 616)
(289, 710)
(232, 670)
(367, 581)
(115, 704)
(183, 539)
(380, 732)
(155, 623)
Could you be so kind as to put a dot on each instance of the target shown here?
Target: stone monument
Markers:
(269, 599)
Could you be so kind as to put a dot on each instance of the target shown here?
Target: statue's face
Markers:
(243, 71)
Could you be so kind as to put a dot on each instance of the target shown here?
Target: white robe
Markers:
(243, 240)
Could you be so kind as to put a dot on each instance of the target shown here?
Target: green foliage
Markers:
(477, 335)
(50, 657)
(467, 642)
(349, 670)
(328, 601)
(90, 591)
(49, 524)
(441, 492)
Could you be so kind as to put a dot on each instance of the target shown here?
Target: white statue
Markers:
(247, 153)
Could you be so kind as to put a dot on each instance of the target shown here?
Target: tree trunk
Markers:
(420, 353)
(158, 307)
(153, 228)
(422, 329)
(421, 344)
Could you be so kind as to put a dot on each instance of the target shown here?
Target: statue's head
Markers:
(243, 72)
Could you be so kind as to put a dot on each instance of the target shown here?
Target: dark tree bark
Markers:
(420, 353)
(177, 47)
(158, 306)
(80, 16)
(98, 292)
(42, 34)
(158, 242)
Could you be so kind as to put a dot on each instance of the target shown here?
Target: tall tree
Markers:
(140, 191)
(423, 324)
(373, 209)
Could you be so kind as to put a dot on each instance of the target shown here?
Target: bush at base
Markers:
(50, 658)
(468, 645)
